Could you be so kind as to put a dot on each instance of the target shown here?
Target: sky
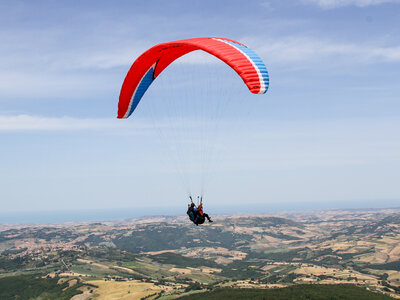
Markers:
(326, 134)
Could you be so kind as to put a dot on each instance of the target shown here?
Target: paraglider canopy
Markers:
(152, 62)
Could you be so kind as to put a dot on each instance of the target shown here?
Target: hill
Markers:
(167, 256)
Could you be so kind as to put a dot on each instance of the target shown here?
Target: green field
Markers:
(29, 287)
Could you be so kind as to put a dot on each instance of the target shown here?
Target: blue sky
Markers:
(326, 133)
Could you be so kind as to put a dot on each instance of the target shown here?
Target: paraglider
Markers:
(151, 63)
(196, 214)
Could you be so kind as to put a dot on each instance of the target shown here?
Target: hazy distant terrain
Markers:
(166, 257)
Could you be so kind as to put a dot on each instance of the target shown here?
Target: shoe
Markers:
(210, 221)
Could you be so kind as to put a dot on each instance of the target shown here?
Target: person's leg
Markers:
(207, 216)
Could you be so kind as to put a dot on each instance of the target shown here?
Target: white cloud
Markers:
(24, 122)
(49, 52)
(306, 50)
(328, 4)
(39, 123)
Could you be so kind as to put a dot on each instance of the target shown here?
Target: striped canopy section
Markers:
(247, 64)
